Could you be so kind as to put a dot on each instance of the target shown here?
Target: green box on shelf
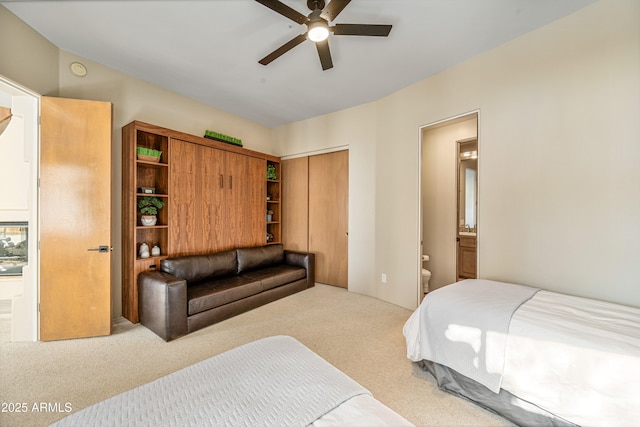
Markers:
(222, 138)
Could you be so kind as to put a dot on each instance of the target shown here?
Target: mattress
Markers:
(274, 381)
(575, 358)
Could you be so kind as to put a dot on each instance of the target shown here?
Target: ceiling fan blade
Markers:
(284, 10)
(283, 49)
(325, 54)
(333, 9)
(361, 30)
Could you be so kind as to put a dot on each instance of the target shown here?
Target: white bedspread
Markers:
(464, 326)
(577, 358)
(275, 381)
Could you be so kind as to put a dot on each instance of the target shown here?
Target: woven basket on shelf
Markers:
(146, 158)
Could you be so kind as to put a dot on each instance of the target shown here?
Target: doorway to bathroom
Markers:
(448, 201)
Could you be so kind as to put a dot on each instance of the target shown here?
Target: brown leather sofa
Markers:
(194, 291)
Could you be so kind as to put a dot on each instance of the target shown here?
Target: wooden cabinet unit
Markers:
(215, 197)
(467, 257)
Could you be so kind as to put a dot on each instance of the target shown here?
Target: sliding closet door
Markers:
(328, 216)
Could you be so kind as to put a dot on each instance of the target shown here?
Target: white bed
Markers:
(574, 358)
(275, 381)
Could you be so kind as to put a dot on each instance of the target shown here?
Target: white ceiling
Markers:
(208, 50)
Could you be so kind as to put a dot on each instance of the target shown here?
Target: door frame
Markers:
(25, 322)
(421, 130)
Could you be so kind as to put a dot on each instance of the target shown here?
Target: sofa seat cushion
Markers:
(277, 275)
(206, 295)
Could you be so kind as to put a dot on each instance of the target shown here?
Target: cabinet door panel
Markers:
(212, 197)
(246, 202)
(183, 218)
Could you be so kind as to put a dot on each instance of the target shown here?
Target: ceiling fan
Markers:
(318, 28)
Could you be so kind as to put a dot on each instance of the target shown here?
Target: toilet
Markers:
(426, 275)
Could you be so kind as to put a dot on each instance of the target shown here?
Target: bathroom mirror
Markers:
(467, 184)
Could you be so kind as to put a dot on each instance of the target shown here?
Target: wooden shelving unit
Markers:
(274, 229)
(214, 196)
(137, 174)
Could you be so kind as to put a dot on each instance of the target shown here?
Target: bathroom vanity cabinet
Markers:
(467, 257)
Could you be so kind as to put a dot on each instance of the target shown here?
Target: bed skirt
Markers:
(503, 403)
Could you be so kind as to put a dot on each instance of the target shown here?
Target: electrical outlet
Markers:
(383, 278)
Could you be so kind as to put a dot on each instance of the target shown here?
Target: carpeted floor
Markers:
(361, 336)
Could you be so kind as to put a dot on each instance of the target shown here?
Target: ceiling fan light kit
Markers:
(318, 28)
(318, 31)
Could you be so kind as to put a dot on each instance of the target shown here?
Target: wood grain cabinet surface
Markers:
(467, 262)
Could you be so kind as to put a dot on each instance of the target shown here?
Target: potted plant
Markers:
(149, 207)
(271, 172)
(269, 215)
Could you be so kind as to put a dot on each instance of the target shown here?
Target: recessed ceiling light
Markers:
(78, 69)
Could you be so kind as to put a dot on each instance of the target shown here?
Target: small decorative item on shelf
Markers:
(269, 237)
(155, 251)
(148, 154)
(147, 190)
(268, 197)
(149, 206)
(269, 215)
(271, 172)
(216, 136)
(144, 251)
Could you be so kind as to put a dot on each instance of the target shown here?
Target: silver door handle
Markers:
(101, 249)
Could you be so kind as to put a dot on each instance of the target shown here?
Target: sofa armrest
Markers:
(162, 304)
(306, 260)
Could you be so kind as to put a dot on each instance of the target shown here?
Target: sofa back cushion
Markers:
(194, 268)
(260, 256)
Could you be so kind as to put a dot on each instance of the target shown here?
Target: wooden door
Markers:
(328, 216)
(75, 218)
(295, 204)
(245, 179)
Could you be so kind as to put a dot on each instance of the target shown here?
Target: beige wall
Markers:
(558, 185)
(26, 57)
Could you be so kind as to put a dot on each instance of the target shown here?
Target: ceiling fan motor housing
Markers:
(315, 4)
